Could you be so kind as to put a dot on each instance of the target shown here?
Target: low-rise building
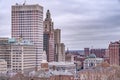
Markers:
(92, 61)
(70, 66)
(101, 72)
(61, 75)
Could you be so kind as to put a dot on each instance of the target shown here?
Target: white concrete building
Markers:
(3, 66)
(92, 61)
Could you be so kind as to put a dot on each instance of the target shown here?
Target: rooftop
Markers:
(92, 56)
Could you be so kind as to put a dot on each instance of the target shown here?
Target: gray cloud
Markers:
(84, 23)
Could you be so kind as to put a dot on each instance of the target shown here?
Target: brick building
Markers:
(114, 53)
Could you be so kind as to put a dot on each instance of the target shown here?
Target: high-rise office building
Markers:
(27, 23)
(23, 57)
(57, 35)
(48, 37)
(55, 50)
(3, 66)
(114, 53)
(5, 52)
(59, 47)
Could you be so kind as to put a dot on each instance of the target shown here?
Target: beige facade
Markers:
(57, 36)
(61, 56)
(20, 56)
(3, 66)
(27, 23)
(59, 47)
(60, 52)
(3, 40)
(23, 57)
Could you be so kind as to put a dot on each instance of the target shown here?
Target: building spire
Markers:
(48, 15)
(24, 2)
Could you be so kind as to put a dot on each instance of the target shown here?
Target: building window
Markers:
(91, 64)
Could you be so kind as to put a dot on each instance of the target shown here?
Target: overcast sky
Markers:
(84, 23)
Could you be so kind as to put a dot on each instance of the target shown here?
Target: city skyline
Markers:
(90, 23)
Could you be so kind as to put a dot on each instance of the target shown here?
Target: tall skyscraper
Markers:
(57, 36)
(27, 23)
(114, 53)
(55, 50)
(48, 37)
(59, 47)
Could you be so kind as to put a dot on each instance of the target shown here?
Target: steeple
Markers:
(48, 24)
(48, 16)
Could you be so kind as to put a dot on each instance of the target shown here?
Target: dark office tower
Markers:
(48, 37)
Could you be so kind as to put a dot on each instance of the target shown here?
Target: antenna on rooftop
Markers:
(24, 2)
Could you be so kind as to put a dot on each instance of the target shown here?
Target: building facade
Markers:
(23, 57)
(57, 36)
(59, 47)
(27, 23)
(5, 51)
(3, 66)
(20, 56)
(61, 57)
(48, 37)
(114, 53)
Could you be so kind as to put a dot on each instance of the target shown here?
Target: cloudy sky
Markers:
(84, 23)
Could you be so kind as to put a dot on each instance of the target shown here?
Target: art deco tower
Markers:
(48, 37)
(27, 23)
